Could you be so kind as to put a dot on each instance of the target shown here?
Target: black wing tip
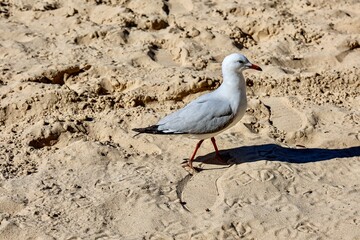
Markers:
(139, 130)
(152, 129)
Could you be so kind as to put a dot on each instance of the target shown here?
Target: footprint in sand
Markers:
(283, 115)
(199, 193)
(306, 227)
(217, 185)
(297, 126)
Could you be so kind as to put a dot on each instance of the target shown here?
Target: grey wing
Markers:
(198, 117)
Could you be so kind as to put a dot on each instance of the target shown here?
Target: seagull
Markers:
(212, 113)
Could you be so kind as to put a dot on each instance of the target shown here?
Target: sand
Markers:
(77, 76)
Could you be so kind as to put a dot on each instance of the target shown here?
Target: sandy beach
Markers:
(77, 76)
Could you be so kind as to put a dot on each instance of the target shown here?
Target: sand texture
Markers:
(77, 76)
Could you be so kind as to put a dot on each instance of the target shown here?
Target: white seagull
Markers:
(211, 113)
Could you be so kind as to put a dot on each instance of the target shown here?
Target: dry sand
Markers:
(77, 76)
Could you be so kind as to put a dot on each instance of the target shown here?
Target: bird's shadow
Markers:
(273, 152)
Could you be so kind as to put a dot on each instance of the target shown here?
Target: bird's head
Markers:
(237, 62)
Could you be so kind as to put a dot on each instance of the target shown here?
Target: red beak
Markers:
(256, 67)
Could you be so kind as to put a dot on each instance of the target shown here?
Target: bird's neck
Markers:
(233, 88)
(234, 80)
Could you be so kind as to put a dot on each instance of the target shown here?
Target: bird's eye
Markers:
(241, 61)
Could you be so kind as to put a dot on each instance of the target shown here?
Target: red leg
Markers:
(214, 144)
(193, 156)
(216, 149)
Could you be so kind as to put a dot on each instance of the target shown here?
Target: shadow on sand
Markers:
(273, 152)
